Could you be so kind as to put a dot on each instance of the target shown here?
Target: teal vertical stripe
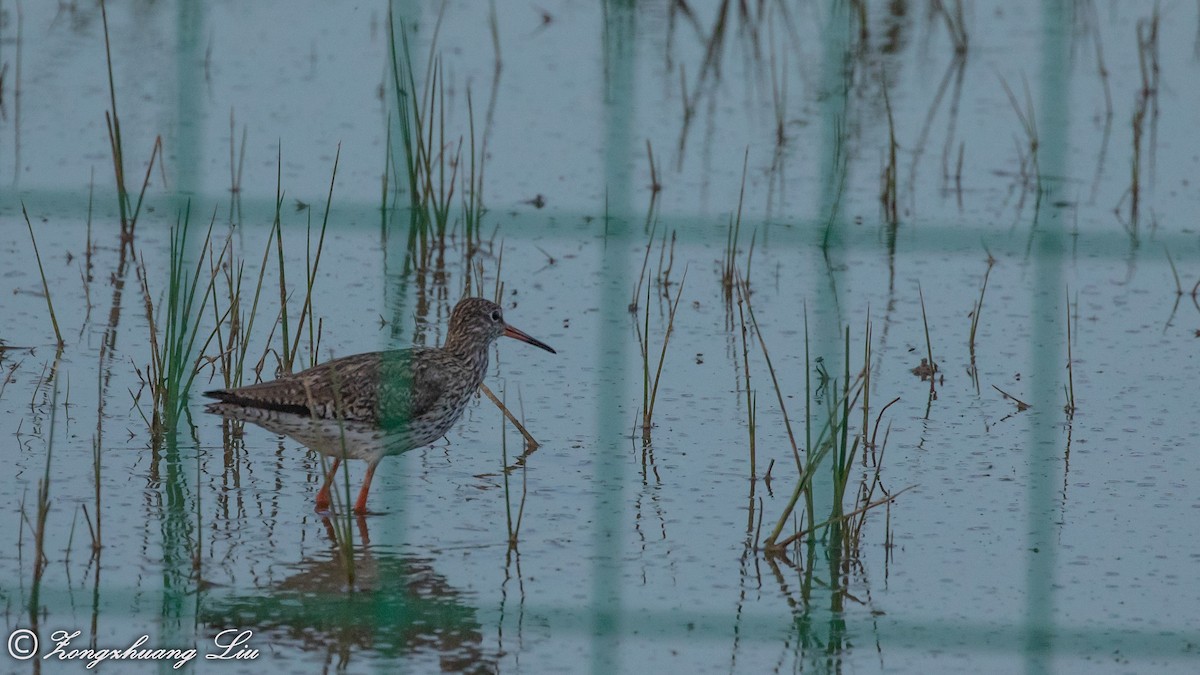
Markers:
(1049, 335)
(189, 113)
(618, 82)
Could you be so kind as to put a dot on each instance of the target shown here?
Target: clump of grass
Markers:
(129, 211)
(805, 469)
(803, 486)
(410, 114)
(432, 159)
(847, 451)
(834, 440)
(45, 286)
(174, 361)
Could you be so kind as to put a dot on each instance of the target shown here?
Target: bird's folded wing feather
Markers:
(411, 384)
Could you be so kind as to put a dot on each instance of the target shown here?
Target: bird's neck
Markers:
(474, 355)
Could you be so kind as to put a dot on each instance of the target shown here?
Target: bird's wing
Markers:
(391, 388)
(350, 384)
(411, 384)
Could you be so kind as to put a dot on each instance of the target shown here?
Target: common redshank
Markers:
(369, 406)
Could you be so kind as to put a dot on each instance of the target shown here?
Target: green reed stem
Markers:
(173, 367)
(928, 343)
(287, 356)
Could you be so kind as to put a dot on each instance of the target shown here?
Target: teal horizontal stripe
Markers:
(1105, 240)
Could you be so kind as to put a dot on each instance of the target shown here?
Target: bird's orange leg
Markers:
(360, 506)
(323, 494)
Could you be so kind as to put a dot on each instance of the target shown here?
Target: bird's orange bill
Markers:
(511, 332)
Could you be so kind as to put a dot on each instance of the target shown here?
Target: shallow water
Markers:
(1025, 540)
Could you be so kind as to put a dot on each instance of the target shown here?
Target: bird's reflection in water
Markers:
(398, 609)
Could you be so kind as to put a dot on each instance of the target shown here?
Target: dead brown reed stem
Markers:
(531, 443)
(841, 519)
(42, 273)
(1021, 405)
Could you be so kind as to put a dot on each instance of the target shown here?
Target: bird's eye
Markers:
(496, 315)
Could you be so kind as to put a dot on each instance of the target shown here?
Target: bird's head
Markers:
(476, 321)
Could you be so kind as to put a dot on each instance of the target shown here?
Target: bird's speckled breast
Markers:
(445, 412)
